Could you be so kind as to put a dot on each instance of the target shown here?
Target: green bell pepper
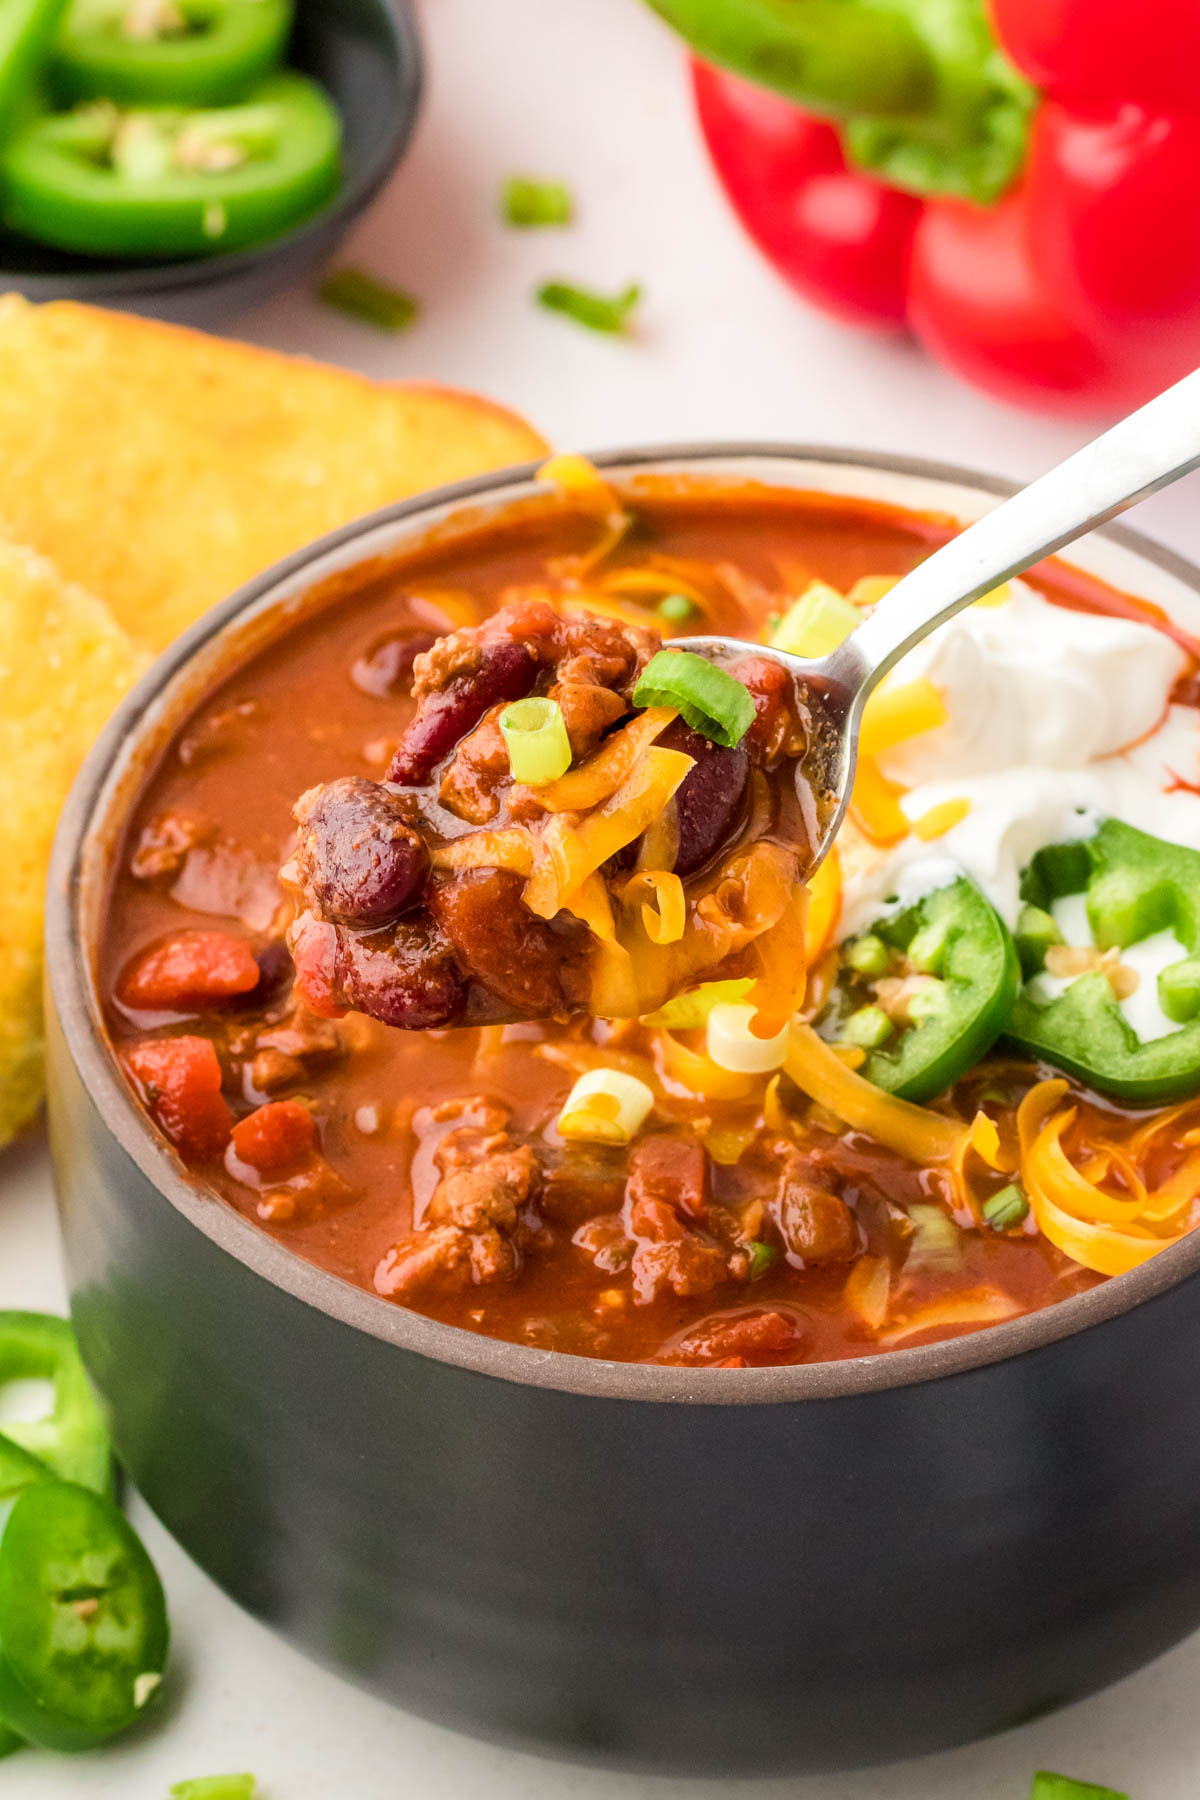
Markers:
(162, 183)
(1136, 886)
(168, 52)
(956, 957)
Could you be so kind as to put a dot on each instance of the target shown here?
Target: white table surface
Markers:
(593, 91)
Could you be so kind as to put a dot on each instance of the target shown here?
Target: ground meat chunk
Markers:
(815, 1225)
(478, 769)
(539, 967)
(480, 1217)
(588, 712)
(670, 1169)
(463, 676)
(664, 1201)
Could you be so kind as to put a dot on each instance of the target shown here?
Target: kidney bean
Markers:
(275, 972)
(385, 669)
(711, 801)
(400, 980)
(507, 671)
(361, 862)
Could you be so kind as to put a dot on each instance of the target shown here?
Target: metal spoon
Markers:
(1147, 451)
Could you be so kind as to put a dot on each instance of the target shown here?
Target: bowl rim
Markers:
(198, 273)
(71, 985)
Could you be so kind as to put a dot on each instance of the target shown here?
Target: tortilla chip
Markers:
(162, 468)
(64, 664)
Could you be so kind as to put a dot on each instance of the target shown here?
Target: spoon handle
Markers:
(1145, 452)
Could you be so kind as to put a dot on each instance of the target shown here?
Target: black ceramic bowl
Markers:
(794, 1568)
(367, 55)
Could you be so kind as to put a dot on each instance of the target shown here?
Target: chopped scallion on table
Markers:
(525, 201)
(215, 1787)
(599, 312)
(1061, 1787)
(535, 734)
(360, 296)
(711, 700)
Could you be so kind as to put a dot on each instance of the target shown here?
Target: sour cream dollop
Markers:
(1056, 719)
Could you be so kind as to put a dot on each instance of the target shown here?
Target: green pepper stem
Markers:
(922, 93)
(834, 57)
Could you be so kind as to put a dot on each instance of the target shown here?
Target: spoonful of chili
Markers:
(1143, 453)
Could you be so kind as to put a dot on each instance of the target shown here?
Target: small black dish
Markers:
(367, 55)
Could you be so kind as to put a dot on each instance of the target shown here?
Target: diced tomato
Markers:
(180, 1082)
(750, 1337)
(277, 1139)
(191, 969)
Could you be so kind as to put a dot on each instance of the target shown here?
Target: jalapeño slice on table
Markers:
(168, 52)
(27, 29)
(18, 1470)
(164, 182)
(83, 1623)
(71, 1438)
(1141, 895)
(926, 991)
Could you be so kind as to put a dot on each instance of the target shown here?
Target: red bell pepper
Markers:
(1018, 183)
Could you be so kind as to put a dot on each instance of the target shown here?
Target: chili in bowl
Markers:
(387, 1224)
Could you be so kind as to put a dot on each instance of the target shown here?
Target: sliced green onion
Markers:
(1061, 1787)
(1179, 989)
(867, 1029)
(1007, 1208)
(535, 734)
(605, 1106)
(676, 607)
(709, 698)
(936, 1242)
(688, 1012)
(867, 955)
(215, 1787)
(732, 1044)
(819, 621)
(526, 201)
(599, 312)
(761, 1257)
(360, 296)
